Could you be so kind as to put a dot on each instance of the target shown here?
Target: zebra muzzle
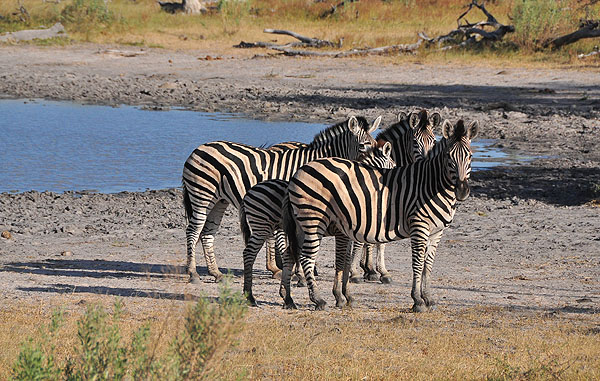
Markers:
(462, 190)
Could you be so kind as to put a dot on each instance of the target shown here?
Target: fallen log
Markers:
(308, 41)
(467, 34)
(57, 30)
(587, 29)
(590, 54)
(402, 48)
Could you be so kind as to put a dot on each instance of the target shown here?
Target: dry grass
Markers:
(365, 23)
(476, 343)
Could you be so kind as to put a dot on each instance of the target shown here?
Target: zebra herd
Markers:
(345, 183)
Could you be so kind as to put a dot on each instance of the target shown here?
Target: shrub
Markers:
(87, 15)
(537, 21)
(102, 354)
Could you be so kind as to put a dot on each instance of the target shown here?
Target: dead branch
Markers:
(587, 29)
(25, 35)
(334, 8)
(383, 50)
(313, 42)
(596, 51)
(467, 34)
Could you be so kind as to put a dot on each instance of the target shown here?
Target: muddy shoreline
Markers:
(527, 240)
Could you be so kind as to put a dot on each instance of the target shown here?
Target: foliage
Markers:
(232, 12)
(87, 16)
(537, 21)
(102, 354)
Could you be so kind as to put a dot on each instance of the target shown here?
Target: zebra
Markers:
(376, 206)
(219, 173)
(261, 209)
(412, 130)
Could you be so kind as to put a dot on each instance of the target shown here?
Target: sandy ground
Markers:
(527, 240)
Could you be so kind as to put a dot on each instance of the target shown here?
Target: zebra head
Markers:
(379, 157)
(360, 127)
(458, 154)
(423, 125)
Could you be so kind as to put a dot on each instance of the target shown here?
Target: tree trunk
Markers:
(193, 6)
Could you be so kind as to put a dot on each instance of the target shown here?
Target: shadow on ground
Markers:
(557, 186)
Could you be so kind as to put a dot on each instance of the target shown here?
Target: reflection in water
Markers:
(59, 146)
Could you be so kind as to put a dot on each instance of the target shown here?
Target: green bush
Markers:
(87, 15)
(537, 21)
(209, 330)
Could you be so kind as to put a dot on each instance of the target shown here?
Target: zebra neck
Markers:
(437, 176)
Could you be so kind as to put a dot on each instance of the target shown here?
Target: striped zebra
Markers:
(261, 209)
(219, 173)
(376, 206)
(413, 130)
(273, 256)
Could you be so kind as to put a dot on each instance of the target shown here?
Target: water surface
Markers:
(60, 146)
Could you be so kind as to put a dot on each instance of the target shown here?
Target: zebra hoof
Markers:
(277, 275)
(419, 308)
(385, 279)
(194, 278)
(320, 305)
(251, 301)
(356, 279)
(340, 303)
(290, 305)
(373, 277)
(219, 278)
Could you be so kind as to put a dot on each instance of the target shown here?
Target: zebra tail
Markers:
(187, 204)
(246, 232)
(289, 226)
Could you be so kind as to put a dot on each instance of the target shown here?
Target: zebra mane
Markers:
(396, 129)
(336, 130)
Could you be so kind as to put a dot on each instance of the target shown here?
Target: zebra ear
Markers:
(473, 129)
(387, 149)
(401, 116)
(353, 125)
(447, 129)
(435, 119)
(375, 124)
(413, 120)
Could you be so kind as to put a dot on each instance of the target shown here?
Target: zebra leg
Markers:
(341, 245)
(271, 253)
(370, 273)
(299, 274)
(385, 278)
(434, 240)
(280, 247)
(286, 278)
(195, 225)
(419, 236)
(347, 263)
(255, 242)
(310, 248)
(356, 257)
(213, 220)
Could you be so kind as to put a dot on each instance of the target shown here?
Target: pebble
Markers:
(6, 234)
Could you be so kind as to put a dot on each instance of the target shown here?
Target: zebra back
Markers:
(225, 170)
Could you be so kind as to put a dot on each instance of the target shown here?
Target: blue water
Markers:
(60, 146)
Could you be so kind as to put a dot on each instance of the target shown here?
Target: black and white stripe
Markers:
(218, 174)
(413, 137)
(376, 206)
(261, 211)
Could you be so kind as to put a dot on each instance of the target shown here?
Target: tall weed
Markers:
(537, 21)
(102, 354)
